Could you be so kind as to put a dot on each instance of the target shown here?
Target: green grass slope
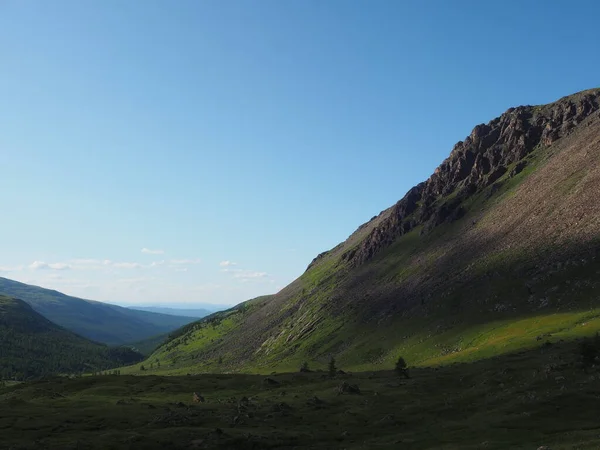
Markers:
(31, 346)
(97, 321)
(519, 264)
(520, 401)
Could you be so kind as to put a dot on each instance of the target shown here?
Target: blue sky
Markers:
(205, 151)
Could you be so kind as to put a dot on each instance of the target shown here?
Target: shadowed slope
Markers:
(505, 231)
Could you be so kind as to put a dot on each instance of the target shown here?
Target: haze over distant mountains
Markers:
(101, 322)
(185, 312)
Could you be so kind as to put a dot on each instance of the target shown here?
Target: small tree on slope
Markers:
(332, 368)
(401, 368)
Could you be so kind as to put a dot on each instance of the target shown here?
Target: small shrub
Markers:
(401, 368)
(589, 350)
(331, 368)
(304, 367)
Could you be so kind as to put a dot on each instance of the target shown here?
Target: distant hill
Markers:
(148, 346)
(195, 313)
(101, 322)
(497, 250)
(31, 345)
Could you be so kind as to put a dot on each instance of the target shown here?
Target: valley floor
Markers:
(519, 401)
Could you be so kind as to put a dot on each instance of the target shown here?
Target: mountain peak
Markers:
(491, 151)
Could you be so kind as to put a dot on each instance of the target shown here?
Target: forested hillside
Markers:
(32, 346)
(101, 322)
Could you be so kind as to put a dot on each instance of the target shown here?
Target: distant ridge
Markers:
(101, 322)
(32, 346)
(194, 313)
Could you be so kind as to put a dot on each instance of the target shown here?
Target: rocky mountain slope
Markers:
(31, 346)
(496, 251)
(97, 321)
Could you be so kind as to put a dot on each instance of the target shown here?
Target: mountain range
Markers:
(101, 322)
(197, 313)
(34, 346)
(498, 249)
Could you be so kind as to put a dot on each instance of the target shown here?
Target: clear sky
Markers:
(176, 152)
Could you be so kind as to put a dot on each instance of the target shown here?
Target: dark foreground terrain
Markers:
(542, 397)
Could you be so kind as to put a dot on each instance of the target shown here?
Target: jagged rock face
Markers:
(482, 158)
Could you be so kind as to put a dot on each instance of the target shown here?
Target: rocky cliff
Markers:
(489, 152)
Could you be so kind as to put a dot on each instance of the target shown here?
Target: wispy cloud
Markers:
(152, 252)
(85, 264)
(250, 274)
(181, 262)
(90, 263)
(40, 265)
(99, 265)
(11, 269)
(227, 263)
(126, 265)
(244, 275)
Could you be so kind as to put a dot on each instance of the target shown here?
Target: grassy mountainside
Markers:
(498, 249)
(98, 321)
(523, 401)
(31, 345)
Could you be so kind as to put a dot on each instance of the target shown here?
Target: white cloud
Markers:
(90, 264)
(227, 263)
(245, 274)
(152, 252)
(103, 264)
(86, 261)
(181, 262)
(38, 265)
(126, 265)
(59, 266)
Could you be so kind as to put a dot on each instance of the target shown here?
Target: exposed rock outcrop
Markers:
(488, 153)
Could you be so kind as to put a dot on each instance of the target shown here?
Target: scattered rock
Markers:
(171, 418)
(197, 443)
(281, 407)
(347, 388)
(271, 382)
(315, 401)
